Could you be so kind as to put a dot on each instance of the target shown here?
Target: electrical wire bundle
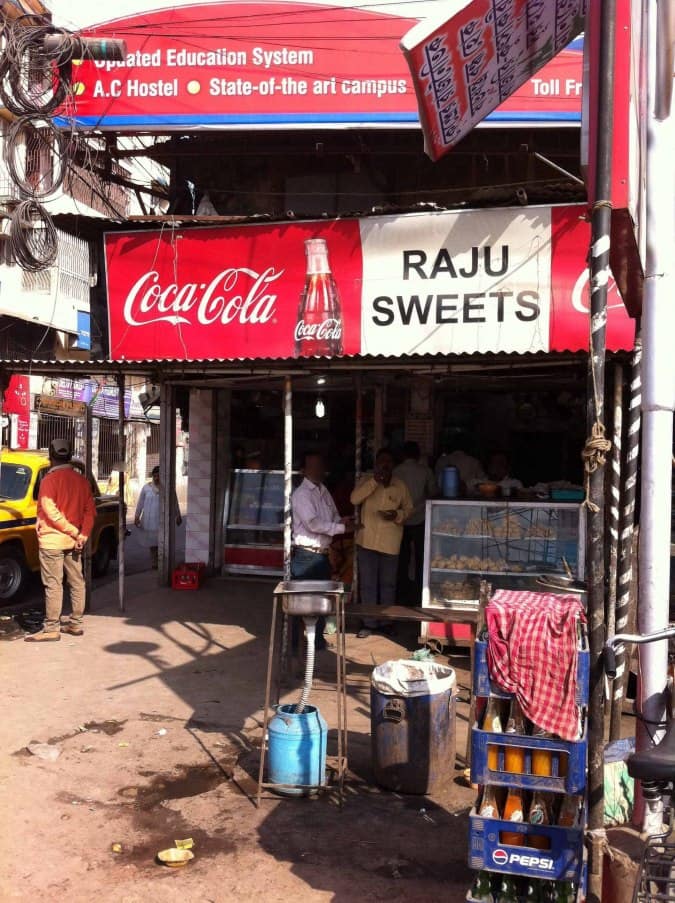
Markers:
(33, 79)
(34, 82)
(36, 154)
(32, 237)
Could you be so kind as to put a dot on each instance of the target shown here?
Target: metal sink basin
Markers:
(309, 597)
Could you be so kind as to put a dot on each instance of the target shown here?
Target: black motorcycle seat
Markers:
(656, 763)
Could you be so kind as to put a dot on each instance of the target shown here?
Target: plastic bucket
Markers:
(412, 726)
(297, 750)
(450, 483)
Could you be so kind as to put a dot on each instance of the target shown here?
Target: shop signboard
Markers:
(16, 399)
(102, 399)
(50, 404)
(283, 64)
(477, 55)
(477, 281)
(16, 402)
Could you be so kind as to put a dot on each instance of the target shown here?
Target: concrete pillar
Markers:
(201, 475)
(167, 465)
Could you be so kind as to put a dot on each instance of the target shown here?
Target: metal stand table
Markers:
(311, 598)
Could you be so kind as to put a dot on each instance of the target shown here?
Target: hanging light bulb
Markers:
(320, 408)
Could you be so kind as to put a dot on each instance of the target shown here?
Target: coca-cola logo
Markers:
(234, 294)
(330, 329)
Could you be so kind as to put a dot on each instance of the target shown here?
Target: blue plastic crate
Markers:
(564, 860)
(573, 782)
(483, 686)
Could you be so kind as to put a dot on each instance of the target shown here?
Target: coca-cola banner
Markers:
(508, 280)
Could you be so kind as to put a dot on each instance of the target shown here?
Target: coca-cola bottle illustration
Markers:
(318, 332)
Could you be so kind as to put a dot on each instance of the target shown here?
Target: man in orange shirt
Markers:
(65, 517)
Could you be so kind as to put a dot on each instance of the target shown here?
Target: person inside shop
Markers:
(147, 516)
(499, 471)
(421, 483)
(455, 455)
(316, 522)
(385, 506)
(253, 461)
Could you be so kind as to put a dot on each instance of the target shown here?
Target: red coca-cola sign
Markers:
(463, 282)
(232, 293)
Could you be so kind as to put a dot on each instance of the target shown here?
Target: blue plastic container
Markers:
(297, 750)
(450, 483)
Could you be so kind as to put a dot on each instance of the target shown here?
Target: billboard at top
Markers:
(282, 64)
(478, 54)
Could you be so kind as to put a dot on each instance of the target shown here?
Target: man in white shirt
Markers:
(421, 483)
(315, 522)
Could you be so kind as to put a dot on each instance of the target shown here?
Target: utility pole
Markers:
(658, 393)
(597, 445)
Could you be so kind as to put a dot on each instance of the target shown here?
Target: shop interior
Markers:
(532, 411)
(484, 407)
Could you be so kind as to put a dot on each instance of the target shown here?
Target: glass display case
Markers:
(254, 522)
(509, 543)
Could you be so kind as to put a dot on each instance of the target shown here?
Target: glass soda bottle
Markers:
(564, 892)
(534, 892)
(540, 814)
(508, 891)
(492, 724)
(513, 811)
(489, 806)
(514, 756)
(542, 759)
(481, 889)
(318, 331)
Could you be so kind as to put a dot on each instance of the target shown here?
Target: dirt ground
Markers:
(157, 715)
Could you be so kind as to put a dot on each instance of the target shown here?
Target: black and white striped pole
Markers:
(613, 520)
(625, 564)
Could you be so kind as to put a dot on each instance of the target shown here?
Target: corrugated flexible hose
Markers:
(310, 634)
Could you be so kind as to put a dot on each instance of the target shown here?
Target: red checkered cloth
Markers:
(532, 652)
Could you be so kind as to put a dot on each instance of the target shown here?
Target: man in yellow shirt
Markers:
(385, 505)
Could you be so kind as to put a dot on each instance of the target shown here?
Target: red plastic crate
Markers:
(188, 576)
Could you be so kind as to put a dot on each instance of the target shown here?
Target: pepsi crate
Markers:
(564, 861)
(574, 752)
(483, 686)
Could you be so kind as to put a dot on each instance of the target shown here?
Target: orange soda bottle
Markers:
(542, 759)
(513, 811)
(540, 814)
(492, 723)
(514, 756)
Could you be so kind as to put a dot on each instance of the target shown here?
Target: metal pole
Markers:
(378, 418)
(615, 498)
(358, 464)
(288, 473)
(121, 521)
(625, 564)
(658, 326)
(288, 514)
(88, 457)
(597, 445)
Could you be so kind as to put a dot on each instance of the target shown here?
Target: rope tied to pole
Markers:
(594, 455)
